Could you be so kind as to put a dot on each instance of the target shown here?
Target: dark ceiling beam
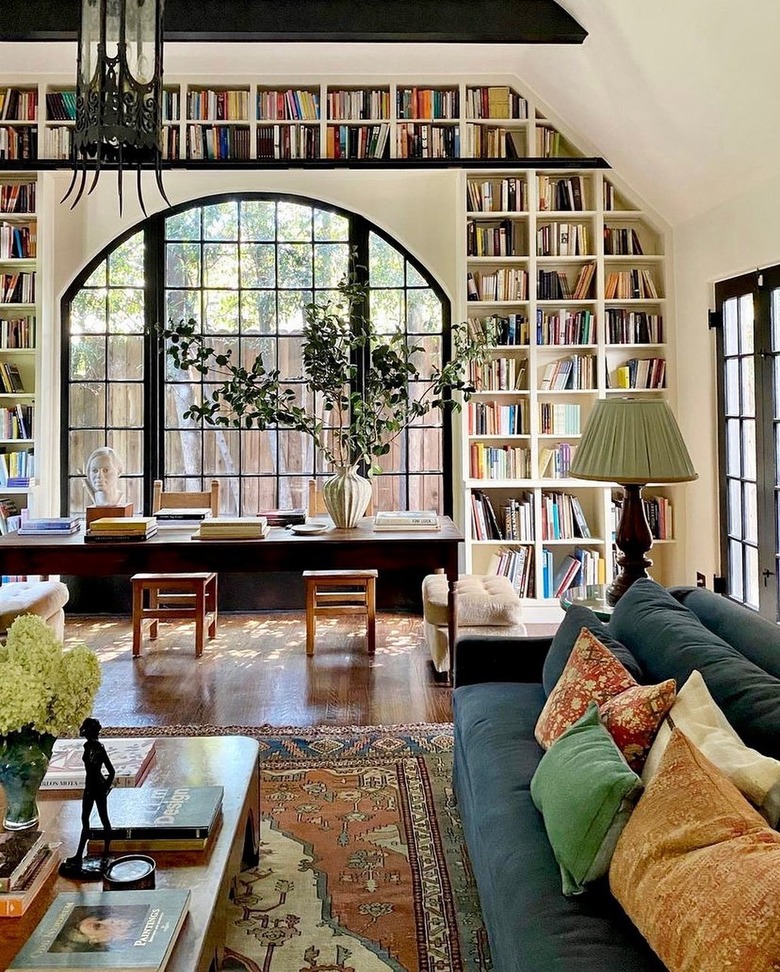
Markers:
(399, 21)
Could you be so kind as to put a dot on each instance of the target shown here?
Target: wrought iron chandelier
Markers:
(118, 92)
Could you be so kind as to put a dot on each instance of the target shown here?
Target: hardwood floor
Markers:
(255, 672)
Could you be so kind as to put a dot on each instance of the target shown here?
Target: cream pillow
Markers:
(698, 715)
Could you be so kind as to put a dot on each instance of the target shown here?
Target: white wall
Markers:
(736, 237)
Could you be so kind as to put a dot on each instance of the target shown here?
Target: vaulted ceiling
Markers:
(680, 96)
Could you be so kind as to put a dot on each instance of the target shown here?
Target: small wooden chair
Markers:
(172, 596)
(326, 595)
(207, 499)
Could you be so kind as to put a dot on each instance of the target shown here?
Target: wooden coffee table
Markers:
(228, 761)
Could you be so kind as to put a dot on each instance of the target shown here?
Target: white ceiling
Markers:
(680, 96)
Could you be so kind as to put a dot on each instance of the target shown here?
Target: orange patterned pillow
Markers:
(697, 869)
(593, 674)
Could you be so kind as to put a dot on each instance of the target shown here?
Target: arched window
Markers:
(243, 267)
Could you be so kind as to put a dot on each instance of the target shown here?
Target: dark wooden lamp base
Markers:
(633, 539)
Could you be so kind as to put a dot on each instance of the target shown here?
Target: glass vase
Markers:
(24, 757)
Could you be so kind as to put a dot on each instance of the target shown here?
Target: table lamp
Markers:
(632, 442)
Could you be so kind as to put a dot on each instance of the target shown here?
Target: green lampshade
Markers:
(630, 440)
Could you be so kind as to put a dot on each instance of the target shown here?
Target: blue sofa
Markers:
(500, 688)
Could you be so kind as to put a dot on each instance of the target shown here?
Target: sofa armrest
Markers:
(497, 659)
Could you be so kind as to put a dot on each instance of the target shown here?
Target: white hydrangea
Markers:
(42, 686)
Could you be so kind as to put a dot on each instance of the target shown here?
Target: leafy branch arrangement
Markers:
(362, 380)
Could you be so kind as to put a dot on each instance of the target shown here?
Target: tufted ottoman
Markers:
(487, 605)
(44, 598)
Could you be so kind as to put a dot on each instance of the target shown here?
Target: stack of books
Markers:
(390, 520)
(121, 528)
(27, 861)
(157, 818)
(131, 759)
(51, 525)
(233, 528)
(283, 518)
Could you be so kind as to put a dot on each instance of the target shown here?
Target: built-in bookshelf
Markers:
(18, 342)
(574, 276)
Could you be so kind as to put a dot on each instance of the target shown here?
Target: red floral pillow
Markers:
(592, 673)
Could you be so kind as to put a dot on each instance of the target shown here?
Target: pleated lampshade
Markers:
(631, 440)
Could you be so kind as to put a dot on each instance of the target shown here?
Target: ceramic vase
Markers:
(24, 758)
(346, 496)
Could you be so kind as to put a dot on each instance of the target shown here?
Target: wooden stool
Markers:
(192, 596)
(325, 595)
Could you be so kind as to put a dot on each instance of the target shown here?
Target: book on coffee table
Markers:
(150, 817)
(40, 869)
(118, 931)
(131, 759)
(17, 850)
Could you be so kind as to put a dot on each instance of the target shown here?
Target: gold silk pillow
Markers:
(697, 869)
(631, 712)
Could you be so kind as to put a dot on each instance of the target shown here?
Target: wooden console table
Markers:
(228, 761)
(173, 550)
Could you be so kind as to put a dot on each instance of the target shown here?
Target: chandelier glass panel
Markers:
(118, 90)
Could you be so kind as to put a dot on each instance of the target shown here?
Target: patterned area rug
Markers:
(362, 861)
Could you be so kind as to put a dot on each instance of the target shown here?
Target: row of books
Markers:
(16, 422)
(562, 239)
(516, 563)
(482, 142)
(499, 374)
(59, 141)
(563, 517)
(583, 566)
(499, 462)
(218, 142)
(559, 418)
(290, 105)
(634, 284)
(578, 371)
(633, 327)
(17, 468)
(639, 373)
(10, 379)
(10, 516)
(170, 143)
(622, 241)
(565, 327)
(359, 104)
(549, 142)
(224, 105)
(507, 283)
(61, 105)
(420, 141)
(505, 195)
(17, 242)
(498, 240)
(658, 513)
(19, 143)
(561, 194)
(495, 101)
(514, 520)
(358, 141)
(17, 333)
(17, 288)
(554, 284)
(490, 418)
(171, 104)
(554, 461)
(505, 331)
(427, 103)
(284, 142)
(18, 197)
(18, 104)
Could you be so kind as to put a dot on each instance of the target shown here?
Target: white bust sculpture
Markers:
(102, 477)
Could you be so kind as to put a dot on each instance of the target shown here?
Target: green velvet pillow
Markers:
(585, 791)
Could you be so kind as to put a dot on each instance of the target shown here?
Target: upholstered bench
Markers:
(486, 605)
(44, 598)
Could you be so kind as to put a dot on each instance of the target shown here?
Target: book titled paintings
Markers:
(114, 930)
(162, 818)
(131, 759)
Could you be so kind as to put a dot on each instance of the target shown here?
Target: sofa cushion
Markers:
(44, 598)
(585, 792)
(698, 716)
(755, 637)
(576, 618)
(670, 642)
(691, 836)
(592, 673)
(482, 600)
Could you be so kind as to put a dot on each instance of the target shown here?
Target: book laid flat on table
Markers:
(191, 513)
(17, 850)
(44, 864)
(131, 759)
(57, 524)
(406, 520)
(106, 930)
(150, 816)
(233, 528)
(121, 528)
